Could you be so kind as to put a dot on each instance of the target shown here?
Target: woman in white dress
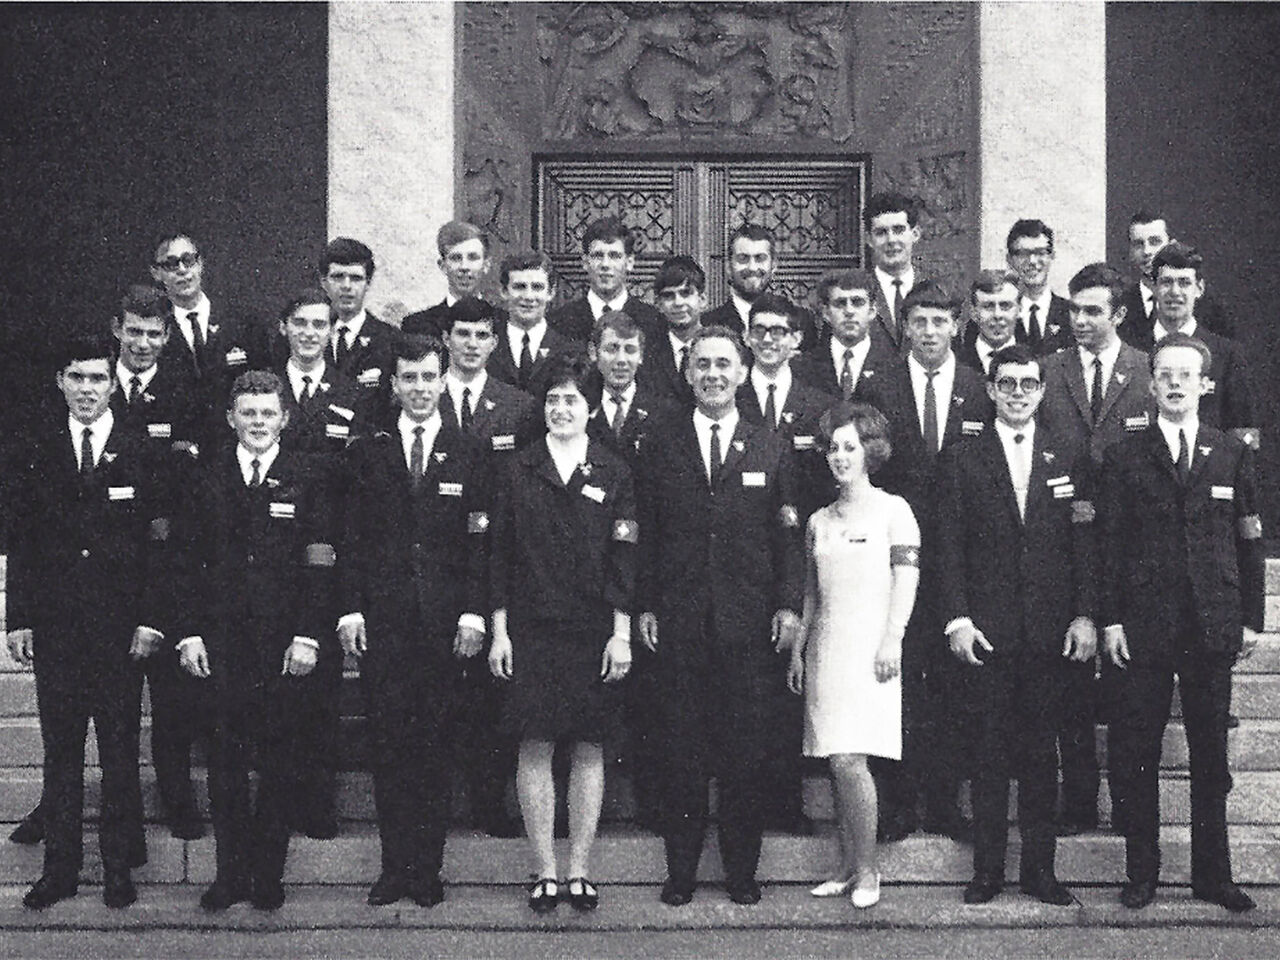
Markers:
(862, 563)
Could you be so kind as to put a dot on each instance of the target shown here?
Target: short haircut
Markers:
(1022, 229)
(675, 272)
(459, 231)
(891, 202)
(848, 279)
(1099, 275)
(1016, 353)
(621, 323)
(716, 331)
(569, 368)
(772, 303)
(469, 310)
(303, 298)
(526, 260)
(1147, 215)
(256, 382)
(753, 232)
(344, 250)
(145, 300)
(608, 230)
(872, 427)
(86, 347)
(412, 348)
(929, 294)
(1184, 340)
(991, 281)
(167, 237)
(1178, 256)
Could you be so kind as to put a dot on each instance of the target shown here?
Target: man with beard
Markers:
(749, 267)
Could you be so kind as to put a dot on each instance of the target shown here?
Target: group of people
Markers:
(542, 530)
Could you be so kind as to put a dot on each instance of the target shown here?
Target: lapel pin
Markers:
(489, 404)
(441, 456)
(108, 456)
(542, 353)
(586, 469)
(364, 341)
(738, 445)
(1205, 451)
(1048, 456)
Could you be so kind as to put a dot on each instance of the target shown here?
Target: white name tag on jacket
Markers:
(282, 511)
(1064, 491)
(504, 441)
(450, 489)
(119, 493)
(343, 412)
(1140, 422)
(369, 377)
(971, 428)
(236, 356)
(1222, 493)
(751, 479)
(338, 430)
(593, 493)
(1058, 481)
(803, 443)
(159, 429)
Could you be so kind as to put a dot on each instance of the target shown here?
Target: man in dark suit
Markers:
(679, 289)
(993, 295)
(1182, 594)
(464, 261)
(846, 356)
(608, 257)
(362, 345)
(1044, 317)
(892, 222)
(720, 592)
(1016, 561)
(525, 341)
(257, 561)
(930, 401)
(83, 590)
(749, 266)
(414, 587)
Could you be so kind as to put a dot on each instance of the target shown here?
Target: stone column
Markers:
(391, 142)
(1043, 128)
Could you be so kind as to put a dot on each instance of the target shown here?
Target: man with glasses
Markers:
(1044, 317)
(1017, 594)
(1181, 595)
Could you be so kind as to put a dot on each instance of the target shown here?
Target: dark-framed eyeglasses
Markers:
(776, 332)
(1011, 385)
(187, 260)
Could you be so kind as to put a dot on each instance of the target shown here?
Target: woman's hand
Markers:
(888, 660)
(795, 671)
(500, 659)
(616, 662)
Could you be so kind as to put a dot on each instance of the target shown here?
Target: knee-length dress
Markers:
(846, 709)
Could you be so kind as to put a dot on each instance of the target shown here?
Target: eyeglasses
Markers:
(770, 333)
(1172, 375)
(187, 260)
(1010, 385)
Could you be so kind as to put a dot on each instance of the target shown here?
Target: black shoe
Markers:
(119, 892)
(582, 893)
(544, 894)
(428, 892)
(676, 894)
(501, 825)
(29, 832)
(1232, 722)
(744, 892)
(1225, 894)
(268, 895)
(388, 888)
(222, 894)
(982, 889)
(952, 825)
(1137, 894)
(1047, 889)
(893, 830)
(47, 891)
(186, 824)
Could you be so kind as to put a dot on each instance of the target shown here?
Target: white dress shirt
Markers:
(885, 279)
(430, 430)
(354, 326)
(743, 308)
(702, 426)
(1159, 331)
(296, 373)
(202, 311)
(1148, 299)
(599, 305)
(860, 351)
(1041, 303)
(515, 334)
(782, 388)
(943, 382)
(99, 432)
(610, 406)
(1108, 356)
(456, 386)
(1191, 427)
(125, 377)
(676, 346)
(246, 457)
(1018, 457)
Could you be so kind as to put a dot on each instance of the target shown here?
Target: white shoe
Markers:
(868, 896)
(832, 888)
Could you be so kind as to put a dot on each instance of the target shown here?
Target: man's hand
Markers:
(145, 642)
(1081, 642)
(500, 657)
(888, 660)
(964, 640)
(616, 662)
(785, 630)
(351, 634)
(649, 630)
(1117, 647)
(193, 657)
(21, 646)
(299, 659)
(467, 642)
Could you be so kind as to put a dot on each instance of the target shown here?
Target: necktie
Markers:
(771, 407)
(897, 304)
(416, 457)
(306, 390)
(1033, 326)
(930, 431)
(1184, 456)
(465, 412)
(619, 413)
(256, 479)
(1095, 400)
(526, 359)
(684, 360)
(846, 375)
(340, 348)
(86, 453)
(1021, 475)
(197, 339)
(135, 389)
(716, 458)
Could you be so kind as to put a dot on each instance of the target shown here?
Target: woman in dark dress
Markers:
(563, 575)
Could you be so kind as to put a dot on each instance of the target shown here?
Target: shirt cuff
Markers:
(351, 620)
(1112, 626)
(185, 641)
(159, 633)
(307, 642)
(956, 624)
(473, 621)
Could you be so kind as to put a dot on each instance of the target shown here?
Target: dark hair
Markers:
(86, 347)
(1099, 275)
(1147, 215)
(303, 298)
(1023, 229)
(991, 281)
(1178, 256)
(930, 294)
(168, 237)
(568, 368)
(344, 250)
(675, 272)
(608, 230)
(753, 232)
(1184, 340)
(144, 300)
(621, 323)
(526, 260)
(459, 231)
(1014, 353)
(412, 348)
(891, 202)
(872, 427)
(469, 310)
(256, 382)
(846, 279)
(772, 303)
(717, 332)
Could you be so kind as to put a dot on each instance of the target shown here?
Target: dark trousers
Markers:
(1136, 735)
(932, 756)
(71, 689)
(482, 752)
(319, 750)
(173, 729)
(1077, 744)
(1012, 727)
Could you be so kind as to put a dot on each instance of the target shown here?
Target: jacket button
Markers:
(249, 559)
(85, 553)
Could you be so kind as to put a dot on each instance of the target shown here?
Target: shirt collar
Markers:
(295, 375)
(203, 308)
(599, 305)
(728, 423)
(265, 460)
(742, 306)
(944, 371)
(1170, 431)
(1160, 331)
(354, 326)
(860, 350)
(1043, 302)
(430, 426)
(1007, 433)
(124, 375)
(456, 386)
(908, 278)
(628, 395)
(99, 430)
(782, 381)
(1107, 356)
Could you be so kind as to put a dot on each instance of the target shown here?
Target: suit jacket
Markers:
(659, 372)
(169, 415)
(883, 329)
(575, 321)
(967, 349)
(371, 360)
(648, 410)
(817, 370)
(233, 345)
(1165, 543)
(503, 418)
(798, 425)
(726, 315)
(1137, 326)
(335, 414)
(502, 366)
(431, 321)
(1057, 328)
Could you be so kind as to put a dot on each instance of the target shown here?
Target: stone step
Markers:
(625, 855)
(1265, 657)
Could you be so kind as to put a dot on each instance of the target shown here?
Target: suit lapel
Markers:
(1000, 477)
(1159, 451)
(735, 449)
(1076, 387)
(1121, 374)
(1200, 453)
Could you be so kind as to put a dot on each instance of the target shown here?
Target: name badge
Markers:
(119, 493)
(1209, 386)
(1057, 481)
(504, 441)
(339, 431)
(971, 428)
(450, 489)
(370, 377)
(236, 356)
(803, 443)
(593, 493)
(1064, 492)
(1137, 423)
(1222, 493)
(343, 412)
(753, 479)
(159, 429)
(282, 511)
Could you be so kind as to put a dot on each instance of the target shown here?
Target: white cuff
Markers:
(159, 633)
(307, 642)
(351, 620)
(1112, 626)
(188, 640)
(956, 624)
(472, 620)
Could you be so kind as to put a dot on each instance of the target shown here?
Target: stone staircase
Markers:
(628, 855)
